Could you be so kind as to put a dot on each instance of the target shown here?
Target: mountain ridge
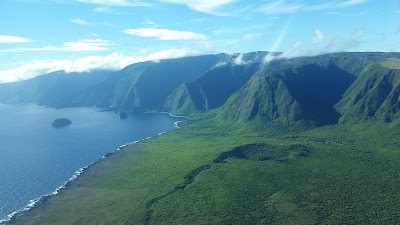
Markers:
(324, 89)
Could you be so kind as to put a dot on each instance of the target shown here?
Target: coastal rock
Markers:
(61, 122)
(123, 115)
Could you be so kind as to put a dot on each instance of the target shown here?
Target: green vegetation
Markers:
(145, 86)
(212, 89)
(251, 152)
(255, 173)
(391, 63)
(291, 93)
(375, 94)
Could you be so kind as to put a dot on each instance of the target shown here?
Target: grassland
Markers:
(391, 63)
(215, 172)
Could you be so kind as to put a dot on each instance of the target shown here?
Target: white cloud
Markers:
(331, 45)
(150, 23)
(80, 21)
(30, 70)
(168, 54)
(165, 34)
(80, 46)
(114, 61)
(281, 7)
(108, 10)
(358, 33)
(296, 50)
(349, 3)
(252, 36)
(319, 37)
(239, 60)
(348, 44)
(95, 35)
(205, 6)
(220, 64)
(269, 57)
(87, 45)
(13, 39)
(199, 20)
(132, 3)
(290, 6)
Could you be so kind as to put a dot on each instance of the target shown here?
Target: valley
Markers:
(308, 140)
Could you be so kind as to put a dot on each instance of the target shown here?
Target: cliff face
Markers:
(213, 89)
(57, 89)
(374, 95)
(306, 92)
(263, 96)
(325, 89)
(343, 87)
(146, 85)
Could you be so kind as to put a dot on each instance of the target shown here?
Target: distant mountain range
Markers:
(58, 89)
(325, 89)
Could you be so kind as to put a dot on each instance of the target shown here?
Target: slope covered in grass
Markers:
(291, 93)
(258, 159)
(145, 86)
(213, 88)
(254, 173)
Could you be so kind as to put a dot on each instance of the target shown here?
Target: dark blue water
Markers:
(36, 158)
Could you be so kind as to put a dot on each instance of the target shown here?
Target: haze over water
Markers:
(36, 158)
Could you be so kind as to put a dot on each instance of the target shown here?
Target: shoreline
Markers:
(33, 203)
(37, 201)
(176, 124)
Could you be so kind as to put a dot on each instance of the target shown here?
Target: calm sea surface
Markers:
(36, 158)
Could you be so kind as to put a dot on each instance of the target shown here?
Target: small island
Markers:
(61, 122)
(123, 115)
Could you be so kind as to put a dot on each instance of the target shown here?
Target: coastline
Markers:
(176, 124)
(172, 115)
(33, 203)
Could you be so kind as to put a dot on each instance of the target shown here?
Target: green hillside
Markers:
(253, 174)
(375, 94)
(184, 100)
(309, 140)
(306, 92)
(213, 88)
(145, 86)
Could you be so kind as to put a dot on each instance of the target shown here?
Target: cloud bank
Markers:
(132, 3)
(165, 34)
(114, 61)
(290, 6)
(240, 61)
(205, 6)
(80, 21)
(80, 46)
(13, 39)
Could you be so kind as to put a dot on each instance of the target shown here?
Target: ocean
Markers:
(36, 158)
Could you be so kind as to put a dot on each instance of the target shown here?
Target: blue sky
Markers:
(40, 36)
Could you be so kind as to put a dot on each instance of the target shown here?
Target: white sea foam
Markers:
(32, 203)
(172, 115)
(176, 124)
